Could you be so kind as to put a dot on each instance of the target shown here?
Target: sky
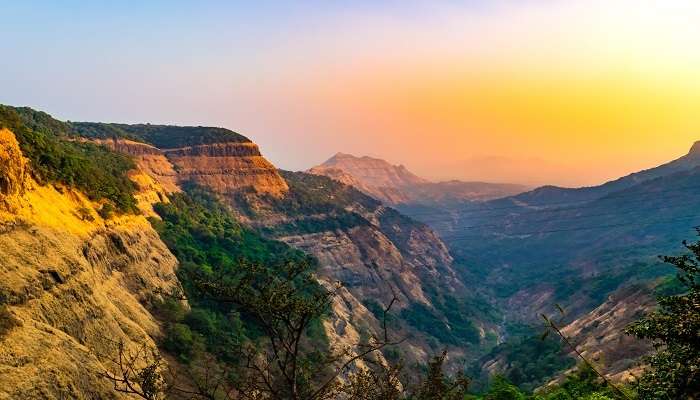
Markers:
(530, 91)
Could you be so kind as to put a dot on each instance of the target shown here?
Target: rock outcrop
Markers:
(224, 168)
(13, 170)
(227, 168)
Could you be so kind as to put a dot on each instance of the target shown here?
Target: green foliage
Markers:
(501, 389)
(106, 211)
(204, 235)
(95, 170)
(162, 136)
(437, 385)
(459, 331)
(314, 204)
(580, 384)
(179, 340)
(674, 368)
(341, 221)
(209, 242)
(530, 361)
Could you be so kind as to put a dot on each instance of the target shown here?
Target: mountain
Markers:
(102, 221)
(553, 195)
(574, 246)
(374, 251)
(396, 185)
(108, 230)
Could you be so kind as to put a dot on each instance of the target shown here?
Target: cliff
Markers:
(217, 158)
(227, 168)
(223, 168)
(13, 170)
(72, 284)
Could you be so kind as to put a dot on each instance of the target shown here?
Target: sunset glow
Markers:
(564, 92)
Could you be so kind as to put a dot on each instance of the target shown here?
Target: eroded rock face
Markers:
(72, 285)
(600, 335)
(227, 168)
(150, 161)
(74, 294)
(13, 170)
(372, 267)
(74, 298)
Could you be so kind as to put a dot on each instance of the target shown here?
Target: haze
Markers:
(562, 92)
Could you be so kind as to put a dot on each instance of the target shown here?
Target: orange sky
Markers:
(568, 92)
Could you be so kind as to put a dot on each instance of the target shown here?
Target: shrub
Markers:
(106, 211)
(97, 171)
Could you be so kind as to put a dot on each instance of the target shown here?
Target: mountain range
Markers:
(581, 248)
(106, 228)
(99, 220)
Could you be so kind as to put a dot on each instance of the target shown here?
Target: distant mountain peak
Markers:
(396, 184)
(695, 149)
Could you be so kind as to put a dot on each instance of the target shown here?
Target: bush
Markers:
(106, 211)
(180, 340)
(97, 171)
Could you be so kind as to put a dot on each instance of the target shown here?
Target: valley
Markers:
(461, 267)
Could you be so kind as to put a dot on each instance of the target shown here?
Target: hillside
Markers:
(396, 185)
(73, 285)
(374, 251)
(539, 247)
(131, 220)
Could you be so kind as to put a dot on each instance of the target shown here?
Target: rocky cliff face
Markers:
(227, 168)
(72, 285)
(599, 334)
(224, 168)
(13, 170)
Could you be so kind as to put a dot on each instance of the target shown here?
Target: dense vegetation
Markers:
(581, 384)
(674, 371)
(209, 242)
(95, 170)
(456, 329)
(529, 361)
(582, 243)
(162, 136)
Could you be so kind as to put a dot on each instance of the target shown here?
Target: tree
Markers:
(674, 368)
(438, 386)
(284, 301)
(501, 389)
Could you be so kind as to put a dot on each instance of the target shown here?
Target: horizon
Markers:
(568, 93)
